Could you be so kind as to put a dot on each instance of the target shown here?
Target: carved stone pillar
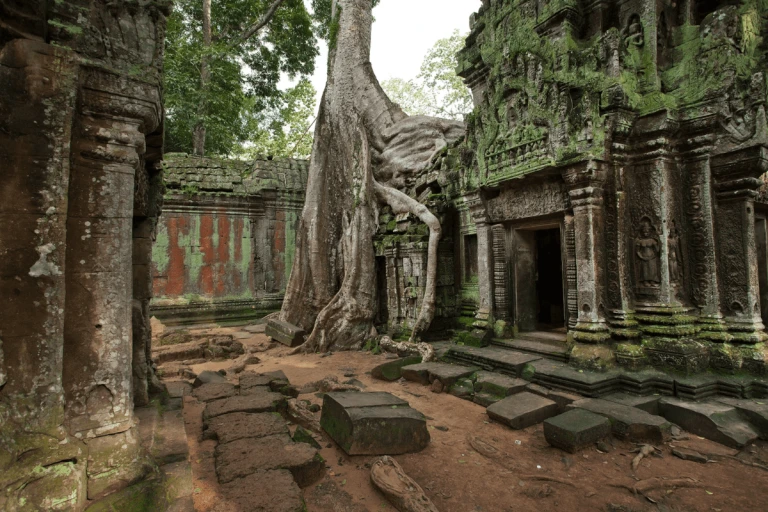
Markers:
(737, 180)
(108, 141)
(38, 459)
(484, 260)
(585, 188)
(702, 259)
(500, 277)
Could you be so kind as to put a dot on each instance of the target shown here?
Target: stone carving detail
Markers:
(675, 256)
(647, 257)
(500, 279)
(570, 271)
(544, 198)
(697, 223)
(634, 33)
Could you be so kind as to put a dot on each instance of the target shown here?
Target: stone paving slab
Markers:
(630, 422)
(498, 384)
(392, 370)
(258, 402)
(240, 425)
(285, 333)
(576, 429)
(447, 374)
(245, 457)
(754, 411)
(492, 358)
(255, 329)
(214, 391)
(263, 491)
(713, 420)
(522, 410)
(373, 424)
(250, 379)
(178, 388)
(649, 404)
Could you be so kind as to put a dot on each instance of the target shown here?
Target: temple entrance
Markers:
(538, 279)
(761, 245)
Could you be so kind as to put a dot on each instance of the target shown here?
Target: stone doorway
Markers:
(539, 287)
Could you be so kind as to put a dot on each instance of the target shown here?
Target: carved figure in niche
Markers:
(647, 250)
(675, 255)
(633, 33)
(411, 295)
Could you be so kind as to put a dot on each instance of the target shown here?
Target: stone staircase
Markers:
(537, 344)
(641, 406)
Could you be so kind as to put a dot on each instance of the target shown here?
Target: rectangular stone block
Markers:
(628, 422)
(522, 410)
(373, 424)
(716, 421)
(285, 333)
(576, 429)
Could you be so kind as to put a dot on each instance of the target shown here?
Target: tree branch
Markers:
(262, 22)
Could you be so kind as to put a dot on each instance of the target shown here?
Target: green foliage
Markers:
(244, 73)
(285, 130)
(437, 90)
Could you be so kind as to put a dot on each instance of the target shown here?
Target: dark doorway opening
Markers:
(549, 280)
(761, 243)
(470, 258)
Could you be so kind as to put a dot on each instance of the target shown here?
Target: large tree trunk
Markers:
(198, 132)
(365, 148)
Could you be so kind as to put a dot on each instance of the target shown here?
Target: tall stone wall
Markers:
(80, 135)
(225, 241)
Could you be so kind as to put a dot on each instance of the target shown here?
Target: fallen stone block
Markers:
(265, 401)
(448, 374)
(272, 380)
(214, 391)
(285, 333)
(267, 491)
(754, 412)
(302, 435)
(715, 421)
(392, 370)
(245, 457)
(373, 424)
(649, 404)
(240, 425)
(576, 429)
(562, 398)
(522, 410)
(628, 422)
(485, 399)
(178, 388)
(463, 388)
(498, 385)
(207, 377)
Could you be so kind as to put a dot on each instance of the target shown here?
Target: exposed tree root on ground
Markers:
(399, 489)
(407, 348)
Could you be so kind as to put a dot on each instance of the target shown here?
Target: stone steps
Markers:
(547, 349)
(639, 417)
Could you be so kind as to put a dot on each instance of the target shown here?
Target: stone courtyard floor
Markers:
(474, 464)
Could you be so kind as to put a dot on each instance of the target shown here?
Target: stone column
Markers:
(702, 265)
(737, 181)
(40, 464)
(484, 260)
(108, 142)
(585, 188)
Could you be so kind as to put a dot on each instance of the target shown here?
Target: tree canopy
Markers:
(245, 67)
(437, 90)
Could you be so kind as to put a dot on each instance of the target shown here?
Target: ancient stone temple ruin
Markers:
(81, 135)
(225, 240)
(608, 195)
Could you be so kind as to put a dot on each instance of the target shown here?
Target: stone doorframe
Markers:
(509, 289)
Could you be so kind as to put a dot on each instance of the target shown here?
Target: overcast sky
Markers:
(403, 32)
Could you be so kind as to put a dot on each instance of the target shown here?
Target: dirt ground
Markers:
(473, 464)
